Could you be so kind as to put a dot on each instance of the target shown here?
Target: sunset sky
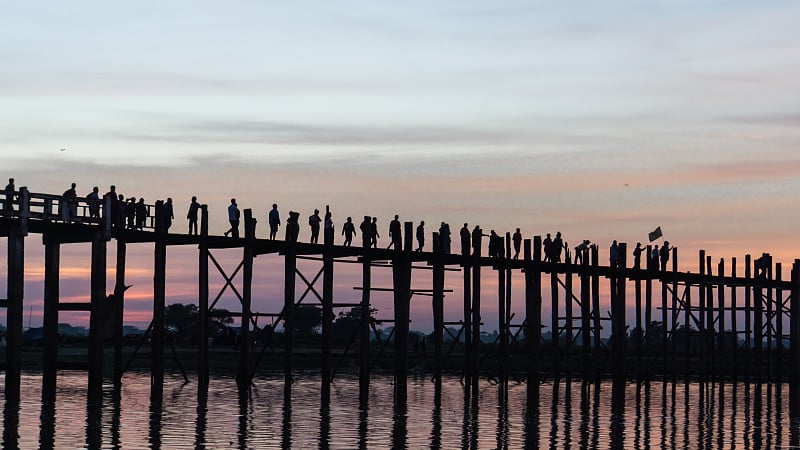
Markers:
(599, 119)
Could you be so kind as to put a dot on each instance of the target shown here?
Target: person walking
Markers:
(348, 231)
(517, 240)
(274, 219)
(421, 235)
(395, 234)
(233, 218)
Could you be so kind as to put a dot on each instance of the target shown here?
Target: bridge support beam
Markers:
(96, 317)
(243, 374)
(159, 299)
(202, 357)
(52, 257)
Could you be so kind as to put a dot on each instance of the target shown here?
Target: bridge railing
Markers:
(56, 208)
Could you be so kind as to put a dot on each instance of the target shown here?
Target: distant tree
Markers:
(181, 320)
(348, 322)
(306, 319)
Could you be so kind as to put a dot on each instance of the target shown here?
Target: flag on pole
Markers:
(655, 234)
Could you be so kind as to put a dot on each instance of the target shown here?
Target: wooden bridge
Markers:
(710, 323)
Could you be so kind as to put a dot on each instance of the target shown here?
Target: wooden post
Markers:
(568, 311)
(466, 263)
(52, 256)
(476, 307)
(202, 366)
(769, 317)
(779, 320)
(159, 299)
(748, 342)
(554, 327)
(794, 342)
(501, 317)
(438, 308)
(674, 315)
(687, 345)
(618, 333)
(96, 321)
(533, 308)
(14, 312)
(734, 313)
(289, 289)
(596, 307)
(243, 375)
(638, 320)
(586, 312)
(327, 314)
(401, 269)
(758, 321)
(710, 355)
(701, 313)
(664, 308)
(507, 318)
(648, 303)
(721, 318)
(363, 357)
(119, 310)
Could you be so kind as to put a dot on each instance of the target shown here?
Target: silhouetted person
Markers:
(93, 198)
(274, 219)
(495, 245)
(517, 240)
(373, 229)
(422, 344)
(313, 221)
(761, 265)
(395, 234)
(637, 255)
(293, 226)
(69, 208)
(233, 218)
(558, 245)
(141, 214)
(130, 213)
(654, 258)
(421, 235)
(465, 240)
(169, 213)
(416, 344)
(123, 211)
(8, 205)
(115, 205)
(366, 231)
(444, 237)
(194, 209)
(581, 252)
(547, 246)
(613, 254)
(348, 231)
(477, 234)
(664, 255)
(328, 236)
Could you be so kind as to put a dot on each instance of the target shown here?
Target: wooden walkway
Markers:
(708, 323)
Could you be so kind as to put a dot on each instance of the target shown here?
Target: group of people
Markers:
(133, 214)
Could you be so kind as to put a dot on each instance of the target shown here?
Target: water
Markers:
(568, 415)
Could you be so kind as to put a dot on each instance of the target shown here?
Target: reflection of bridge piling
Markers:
(711, 323)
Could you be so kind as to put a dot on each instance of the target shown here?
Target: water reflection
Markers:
(11, 424)
(440, 414)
